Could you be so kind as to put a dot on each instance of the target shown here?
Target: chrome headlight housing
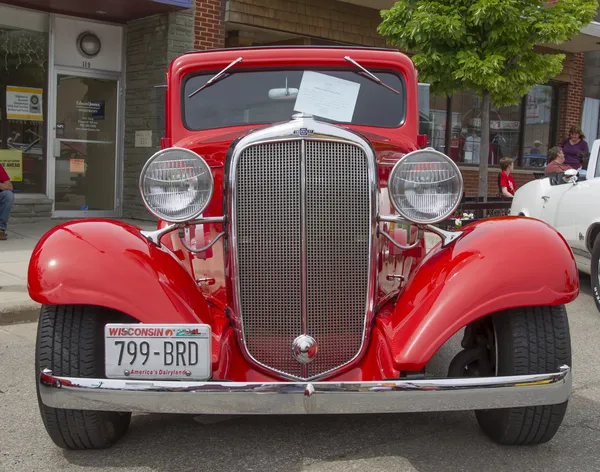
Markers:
(425, 186)
(176, 185)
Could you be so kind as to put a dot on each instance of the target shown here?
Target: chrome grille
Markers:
(337, 229)
(268, 245)
(272, 212)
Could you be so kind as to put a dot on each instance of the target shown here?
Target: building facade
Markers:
(81, 96)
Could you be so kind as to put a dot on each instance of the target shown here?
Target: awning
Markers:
(376, 4)
(587, 40)
(118, 11)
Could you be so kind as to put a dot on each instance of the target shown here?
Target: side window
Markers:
(597, 170)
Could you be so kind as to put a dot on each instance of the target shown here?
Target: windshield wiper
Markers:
(216, 77)
(371, 76)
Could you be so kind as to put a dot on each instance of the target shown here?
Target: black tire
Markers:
(595, 282)
(531, 340)
(70, 342)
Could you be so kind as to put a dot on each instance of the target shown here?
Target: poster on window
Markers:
(12, 161)
(89, 113)
(24, 103)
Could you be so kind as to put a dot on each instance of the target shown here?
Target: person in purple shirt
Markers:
(575, 148)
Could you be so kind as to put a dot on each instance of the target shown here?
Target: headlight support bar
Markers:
(156, 236)
(447, 236)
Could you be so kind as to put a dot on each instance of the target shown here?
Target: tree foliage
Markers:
(485, 45)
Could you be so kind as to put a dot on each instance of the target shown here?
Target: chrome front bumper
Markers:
(218, 397)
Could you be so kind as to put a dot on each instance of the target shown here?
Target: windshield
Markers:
(269, 96)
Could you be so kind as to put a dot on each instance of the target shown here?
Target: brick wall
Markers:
(209, 25)
(471, 180)
(571, 94)
(152, 43)
(326, 19)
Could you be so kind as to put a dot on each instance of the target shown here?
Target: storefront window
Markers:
(466, 131)
(432, 118)
(23, 105)
(537, 135)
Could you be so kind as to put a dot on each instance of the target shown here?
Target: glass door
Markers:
(86, 151)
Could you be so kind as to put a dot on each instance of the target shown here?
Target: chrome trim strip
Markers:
(303, 250)
(248, 398)
(319, 131)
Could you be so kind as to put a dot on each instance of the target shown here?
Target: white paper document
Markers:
(327, 97)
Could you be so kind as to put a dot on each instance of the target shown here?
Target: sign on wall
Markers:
(24, 103)
(12, 161)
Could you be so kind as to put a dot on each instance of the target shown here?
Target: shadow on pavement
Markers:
(417, 442)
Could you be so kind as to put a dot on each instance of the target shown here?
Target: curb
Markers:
(21, 313)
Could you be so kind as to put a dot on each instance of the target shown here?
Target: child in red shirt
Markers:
(7, 197)
(507, 181)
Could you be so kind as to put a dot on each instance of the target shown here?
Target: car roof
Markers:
(294, 46)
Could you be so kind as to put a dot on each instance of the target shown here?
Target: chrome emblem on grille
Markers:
(305, 349)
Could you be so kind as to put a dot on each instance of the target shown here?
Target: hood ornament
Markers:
(304, 349)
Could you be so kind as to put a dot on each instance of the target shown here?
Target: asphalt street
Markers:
(408, 442)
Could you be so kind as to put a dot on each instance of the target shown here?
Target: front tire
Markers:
(70, 342)
(532, 340)
(595, 276)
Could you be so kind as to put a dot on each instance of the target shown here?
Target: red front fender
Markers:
(109, 263)
(497, 264)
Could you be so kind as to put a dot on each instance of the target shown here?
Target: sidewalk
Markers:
(15, 304)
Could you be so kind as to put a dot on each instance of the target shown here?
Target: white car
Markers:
(571, 204)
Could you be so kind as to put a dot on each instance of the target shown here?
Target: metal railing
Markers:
(492, 207)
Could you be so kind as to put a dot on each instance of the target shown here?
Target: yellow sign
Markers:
(12, 161)
(24, 103)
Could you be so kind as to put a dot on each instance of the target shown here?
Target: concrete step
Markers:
(30, 209)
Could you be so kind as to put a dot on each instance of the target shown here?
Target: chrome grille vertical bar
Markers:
(304, 243)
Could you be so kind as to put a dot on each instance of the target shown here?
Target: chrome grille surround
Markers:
(266, 341)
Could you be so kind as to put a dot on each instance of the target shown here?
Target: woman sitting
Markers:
(556, 161)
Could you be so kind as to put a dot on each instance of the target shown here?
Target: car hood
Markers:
(213, 145)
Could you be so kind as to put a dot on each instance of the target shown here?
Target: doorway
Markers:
(85, 144)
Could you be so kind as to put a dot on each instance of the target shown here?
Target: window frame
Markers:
(322, 69)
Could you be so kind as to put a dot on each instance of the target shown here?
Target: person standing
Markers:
(575, 148)
(7, 197)
(506, 181)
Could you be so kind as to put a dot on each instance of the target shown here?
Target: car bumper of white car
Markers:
(222, 397)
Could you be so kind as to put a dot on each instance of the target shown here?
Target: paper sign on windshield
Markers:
(327, 97)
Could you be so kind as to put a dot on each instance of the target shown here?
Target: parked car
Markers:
(568, 201)
(288, 273)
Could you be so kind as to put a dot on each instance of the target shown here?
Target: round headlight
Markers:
(176, 185)
(425, 186)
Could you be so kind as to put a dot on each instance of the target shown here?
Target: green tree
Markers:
(486, 46)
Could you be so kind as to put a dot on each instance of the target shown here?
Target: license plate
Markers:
(157, 352)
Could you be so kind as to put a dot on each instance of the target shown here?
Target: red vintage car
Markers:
(288, 273)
